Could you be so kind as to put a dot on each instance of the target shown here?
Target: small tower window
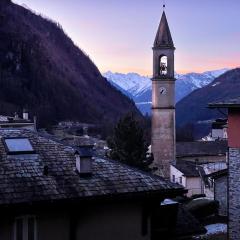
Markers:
(163, 65)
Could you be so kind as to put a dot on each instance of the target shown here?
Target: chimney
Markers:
(84, 159)
(25, 114)
(85, 131)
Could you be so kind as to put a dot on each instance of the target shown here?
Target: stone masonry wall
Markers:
(220, 193)
(234, 194)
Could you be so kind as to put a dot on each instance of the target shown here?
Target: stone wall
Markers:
(220, 194)
(234, 194)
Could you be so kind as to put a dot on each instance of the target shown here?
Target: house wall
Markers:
(234, 128)
(177, 174)
(217, 133)
(234, 194)
(220, 194)
(194, 186)
(105, 221)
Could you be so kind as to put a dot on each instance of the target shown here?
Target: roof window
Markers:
(18, 146)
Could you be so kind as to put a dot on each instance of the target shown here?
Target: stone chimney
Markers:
(84, 160)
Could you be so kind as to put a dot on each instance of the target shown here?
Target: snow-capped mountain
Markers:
(132, 83)
(139, 88)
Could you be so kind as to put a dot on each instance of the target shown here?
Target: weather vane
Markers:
(164, 5)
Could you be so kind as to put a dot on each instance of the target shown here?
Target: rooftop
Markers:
(204, 148)
(230, 103)
(23, 179)
(189, 169)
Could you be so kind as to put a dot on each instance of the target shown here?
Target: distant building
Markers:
(16, 122)
(187, 174)
(233, 106)
(202, 152)
(219, 129)
(52, 191)
(195, 177)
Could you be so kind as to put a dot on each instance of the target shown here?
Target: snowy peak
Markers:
(139, 88)
(131, 82)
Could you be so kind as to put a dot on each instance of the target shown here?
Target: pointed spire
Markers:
(163, 36)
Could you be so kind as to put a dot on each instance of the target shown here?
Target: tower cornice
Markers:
(163, 47)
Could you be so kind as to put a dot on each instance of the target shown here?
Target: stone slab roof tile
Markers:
(23, 180)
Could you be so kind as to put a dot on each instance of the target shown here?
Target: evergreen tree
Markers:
(128, 144)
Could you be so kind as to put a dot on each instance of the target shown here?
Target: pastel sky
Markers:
(118, 35)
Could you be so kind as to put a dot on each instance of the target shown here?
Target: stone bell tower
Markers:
(163, 100)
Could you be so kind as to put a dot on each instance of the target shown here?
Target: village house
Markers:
(196, 177)
(187, 174)
(52, 191)
(233, 193)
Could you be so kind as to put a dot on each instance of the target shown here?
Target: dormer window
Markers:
(18, 146)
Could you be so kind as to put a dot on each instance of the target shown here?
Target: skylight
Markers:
(18, 145)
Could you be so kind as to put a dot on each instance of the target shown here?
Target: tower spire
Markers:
(163, 37)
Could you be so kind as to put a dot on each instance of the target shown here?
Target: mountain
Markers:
(193, 108)
(139, 88)
(41, 68)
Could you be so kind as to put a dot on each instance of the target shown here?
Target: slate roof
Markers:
(187, 168)
(163, 37)
(219, 174)
(22, 178)
(231, 103)
(204, 148)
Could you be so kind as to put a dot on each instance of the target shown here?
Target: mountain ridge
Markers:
(41, 68)
(139, 88)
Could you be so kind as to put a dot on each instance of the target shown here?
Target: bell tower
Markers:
(163, 100)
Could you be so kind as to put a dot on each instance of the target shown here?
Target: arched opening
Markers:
(163, 65)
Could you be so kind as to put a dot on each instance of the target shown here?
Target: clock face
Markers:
(163, 90)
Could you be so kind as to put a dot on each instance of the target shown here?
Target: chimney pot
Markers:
(84, 159)
(25, 114)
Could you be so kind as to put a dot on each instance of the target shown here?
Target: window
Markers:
(18, 145)
(180, 180)
(173, 178)
(25, 228)
(163, 65)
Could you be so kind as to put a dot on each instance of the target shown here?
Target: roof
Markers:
(23, 179)
(11, 120)
(203, 148)
(189, 169)
(219, 174)
(231, 103)
(163, 37)
(219, 124)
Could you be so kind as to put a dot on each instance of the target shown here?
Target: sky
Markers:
(118, 35)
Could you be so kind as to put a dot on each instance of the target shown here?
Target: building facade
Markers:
(233, 106)
(163, 100)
